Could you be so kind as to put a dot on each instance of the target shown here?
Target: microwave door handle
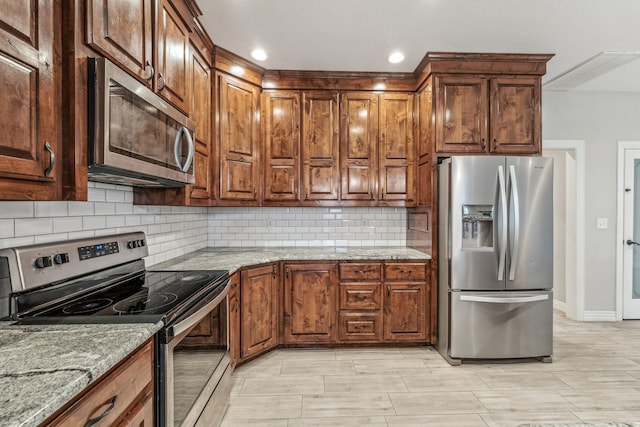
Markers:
(176, 149)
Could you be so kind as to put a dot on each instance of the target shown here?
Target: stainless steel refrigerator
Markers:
(495, 258)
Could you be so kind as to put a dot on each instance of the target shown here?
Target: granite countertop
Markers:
(45, 366)
(233, 259)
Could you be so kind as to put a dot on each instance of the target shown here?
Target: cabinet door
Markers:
(309, 303)
(461, 114)
(201, 113)
(358, 145)
(425, 137)
(258, 310)
(396, 151)
(281, 124)
(515, 115)
(121, 30)
(320, 125)
(30, 108)
(405, 317)
(239, 178)
(172, 68)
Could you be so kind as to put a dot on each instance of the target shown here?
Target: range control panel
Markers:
(37, 265)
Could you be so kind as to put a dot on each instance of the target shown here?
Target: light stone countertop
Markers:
(233, 259)
(43, 367)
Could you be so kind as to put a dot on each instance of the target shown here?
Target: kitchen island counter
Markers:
(44, 366)
(233, 259)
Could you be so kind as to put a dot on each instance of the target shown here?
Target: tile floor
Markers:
(594, 377)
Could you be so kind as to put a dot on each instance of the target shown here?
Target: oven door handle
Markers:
(186, 324)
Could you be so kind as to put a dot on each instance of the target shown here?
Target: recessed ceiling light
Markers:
(259, 55)
(395, 57)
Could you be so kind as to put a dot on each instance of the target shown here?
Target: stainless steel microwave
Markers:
(135, 137)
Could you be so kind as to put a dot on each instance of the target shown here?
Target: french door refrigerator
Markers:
(495, 258)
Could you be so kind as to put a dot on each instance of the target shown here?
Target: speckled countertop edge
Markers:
(233, 259)
(45, 366)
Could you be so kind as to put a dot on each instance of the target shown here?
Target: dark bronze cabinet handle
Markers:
(495, 145)
(96, 420)
(149, 69)
(359, 297)
(484, 144)
(52, 158)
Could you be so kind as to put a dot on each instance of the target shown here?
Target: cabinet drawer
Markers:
(370, 271)
(405, 271)
(361, 296)
(114, 393)
(360, 327)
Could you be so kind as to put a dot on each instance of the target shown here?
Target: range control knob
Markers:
(131, 244)
(43, 262)
(140, 243)
(62, 258)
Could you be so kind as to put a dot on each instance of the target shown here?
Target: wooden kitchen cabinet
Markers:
(238, 140)
(310, 297)
(30, 112)
(234, 318)
(360, 302)
(478, 114)
(358, 145)
(396, 149)
(123, 31)
(202, 115)
(406, 302)
(123, 397)
(320, 146)
(281, 145)
(259, 310)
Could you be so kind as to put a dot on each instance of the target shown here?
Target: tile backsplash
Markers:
(173, 231)
(244, 226)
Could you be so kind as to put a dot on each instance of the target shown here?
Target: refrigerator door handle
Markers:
(516, 223)
(503, 232)
(504, 300)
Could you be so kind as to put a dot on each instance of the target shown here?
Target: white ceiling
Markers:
(358, 35)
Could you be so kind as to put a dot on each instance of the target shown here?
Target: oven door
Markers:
(193, 366)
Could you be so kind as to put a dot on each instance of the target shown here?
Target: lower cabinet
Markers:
(309, 303)
(360, 302)
(124, 397)
(406, 302)
(258, 310)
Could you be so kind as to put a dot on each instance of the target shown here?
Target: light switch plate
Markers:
(602, 223)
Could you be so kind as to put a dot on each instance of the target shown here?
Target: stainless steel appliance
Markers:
(495, 257)
(103, 280)
(135, 137)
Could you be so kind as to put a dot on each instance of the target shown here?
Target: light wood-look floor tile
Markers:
(594, 377)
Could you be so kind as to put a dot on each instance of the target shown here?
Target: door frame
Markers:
(622, 147)
(575, 293)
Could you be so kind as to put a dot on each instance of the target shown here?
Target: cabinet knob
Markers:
(160, 81)
(495, 145)
(150, 71)
(484, 144)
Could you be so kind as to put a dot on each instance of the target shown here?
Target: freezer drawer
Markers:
(500, 325)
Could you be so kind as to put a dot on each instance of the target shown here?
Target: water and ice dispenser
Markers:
(477, 227)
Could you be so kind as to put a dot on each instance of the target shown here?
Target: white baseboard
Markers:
(600, 316)
(560, 306)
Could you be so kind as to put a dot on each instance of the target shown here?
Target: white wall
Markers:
(600, 119)
(171, 231)
(559, 223)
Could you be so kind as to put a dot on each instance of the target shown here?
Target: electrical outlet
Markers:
(602, 223)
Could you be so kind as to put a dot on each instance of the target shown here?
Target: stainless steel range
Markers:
(104, 280)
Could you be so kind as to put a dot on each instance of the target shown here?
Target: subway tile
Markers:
(81, 208)
(94, 222)
(33, 227)
(49, 209)
(48, 238)
(16, 209)
(7, 228)
(16, 241)
(67, 224)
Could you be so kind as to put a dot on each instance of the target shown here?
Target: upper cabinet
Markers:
(239, 122)
(30, 112)
(320, 146)
(396, 148)
(123, 31)
(172, 55)
(487, 103)
(358, 145)
(281, 146)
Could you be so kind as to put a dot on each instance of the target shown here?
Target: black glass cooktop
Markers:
(131, 296)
